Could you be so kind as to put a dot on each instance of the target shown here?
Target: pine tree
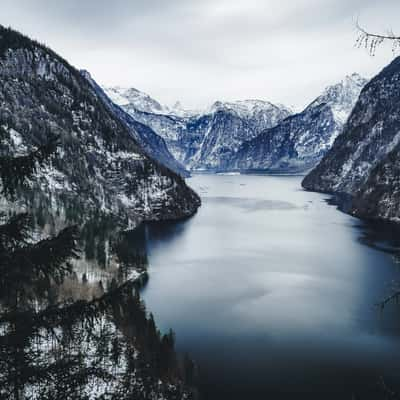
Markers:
(49, 350)
(27, 269)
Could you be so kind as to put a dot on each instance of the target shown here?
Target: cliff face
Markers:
(248, 134)
(296, 144)
(100, 167)
(363, 164)
(153, 144)
(202, 140)
(226, 127)
(300, 141)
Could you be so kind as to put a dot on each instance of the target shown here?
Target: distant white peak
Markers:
(342, 96)
(357, 79)
(246, 108)
(131, 96)
(114, 93)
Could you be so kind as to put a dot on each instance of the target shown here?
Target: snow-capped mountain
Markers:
(140, 101)
(247, 134)
(250, 109)
(100, 166)
(342, 96)
(362, 167)
(225, 128)
(301, 140)
(205, 141)
(153, 144)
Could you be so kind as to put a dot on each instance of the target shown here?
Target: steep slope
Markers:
(140, 101)
(230, 125)
(99, 168)
(363, 164)
(206, 141)
(301, 140)
(171, 128)
(153, 144)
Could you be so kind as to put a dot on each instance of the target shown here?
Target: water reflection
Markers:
(273, 292)
(381, 236)
(80, 330)
(252, 205)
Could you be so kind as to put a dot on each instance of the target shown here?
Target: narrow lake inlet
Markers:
(272, 291)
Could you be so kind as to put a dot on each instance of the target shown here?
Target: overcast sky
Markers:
(198, 51)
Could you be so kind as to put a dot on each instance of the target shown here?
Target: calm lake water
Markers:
(272, 291)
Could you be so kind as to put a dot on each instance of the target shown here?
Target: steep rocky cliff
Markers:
(301, 140)
(99, 167)
(227, 126)
(204, 140)
(363, 164)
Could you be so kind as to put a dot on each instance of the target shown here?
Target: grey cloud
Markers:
(200, 50)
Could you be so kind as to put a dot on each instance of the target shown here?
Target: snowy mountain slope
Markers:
(207, 140)
(300, 141)
(251, 110)
(341, 97)
(141, 101)
(153, 144)
(225, 127)
(100, 167)
(363, 164)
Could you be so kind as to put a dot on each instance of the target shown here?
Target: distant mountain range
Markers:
(248, 134)
(126, 97)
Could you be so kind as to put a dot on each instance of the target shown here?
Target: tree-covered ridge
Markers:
(71, 176)
(99, 165)
(107, 347)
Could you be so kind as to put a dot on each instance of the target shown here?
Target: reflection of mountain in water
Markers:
(382, 236)
(90, 335)
(249, 204)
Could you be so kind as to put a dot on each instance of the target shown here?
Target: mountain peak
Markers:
(342, 96)
(123, 96)
(364, 163)
(248, 108)
(356, 78)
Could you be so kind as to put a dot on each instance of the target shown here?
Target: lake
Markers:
(273, 292)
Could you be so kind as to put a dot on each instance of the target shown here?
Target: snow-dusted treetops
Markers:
(73, 178)
(102, 166)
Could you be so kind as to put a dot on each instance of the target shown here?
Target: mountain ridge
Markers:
(232, 135)
(100, 167)
(362, 166)
(206, 140)
(298, 142)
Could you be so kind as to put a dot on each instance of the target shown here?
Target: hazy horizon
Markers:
(197, 52)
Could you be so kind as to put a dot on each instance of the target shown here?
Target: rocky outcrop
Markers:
(363, 164)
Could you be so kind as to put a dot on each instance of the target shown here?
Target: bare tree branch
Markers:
(370, 41)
